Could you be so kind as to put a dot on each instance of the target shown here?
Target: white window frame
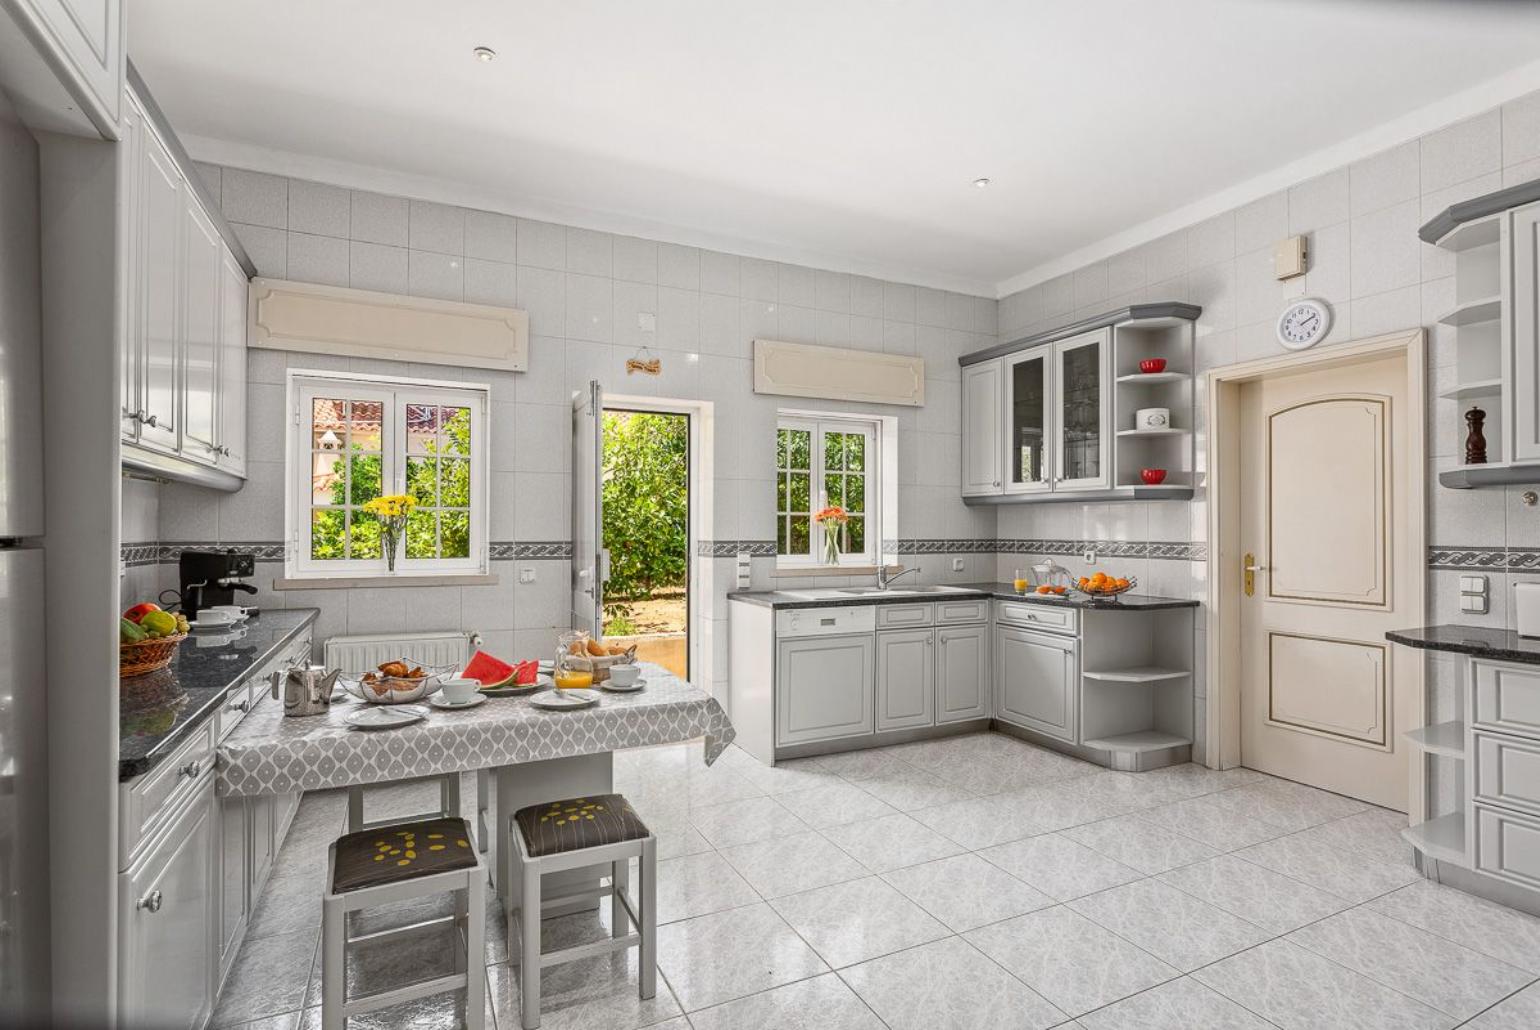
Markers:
(876, 489)
(394, 393)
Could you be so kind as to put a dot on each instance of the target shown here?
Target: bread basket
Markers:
(147, 655)
(600, 665)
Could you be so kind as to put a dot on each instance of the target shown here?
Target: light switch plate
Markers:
(526, 575)
(957, 564)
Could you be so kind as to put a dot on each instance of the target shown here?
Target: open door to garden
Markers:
(645, 513)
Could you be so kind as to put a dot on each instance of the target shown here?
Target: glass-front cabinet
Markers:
(1029, 450)
(1081, 412)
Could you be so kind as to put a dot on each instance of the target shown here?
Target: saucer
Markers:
(440, 701)
(565, 700)
(382, 717)
(615, 688)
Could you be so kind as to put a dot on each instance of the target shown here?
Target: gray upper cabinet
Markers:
(962, 673)
(905, 679)
(1526, 334)
(1035, 681)
(73, 80)
(155, 232)
(1028, 413)
(232, 365)
(201, 252)
(981, 457)
(824, 688)
(1082, 412)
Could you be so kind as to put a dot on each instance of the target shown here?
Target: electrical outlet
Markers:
(526, 575)
(745, 570)
(1090, 556)
(957, 564)
(1473, 595)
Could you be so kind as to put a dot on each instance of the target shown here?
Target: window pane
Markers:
(801, 491)
(326, 483)
(799, 534)
(455, 534)
(454, 483)
(833, 451)
(855, 493)
(421, 475)
(782, 447)
(834, 487)
(855, 452)
(364, 543)
(457, 430)
(422, 534)
(328, 532)
(801, 445)
(363, 477)
(365, 422)
(328, 426)
(421, 428)
(780, 536)
(781, 492)
(855, 535)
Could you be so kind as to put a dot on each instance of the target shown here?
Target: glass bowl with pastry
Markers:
(582, 661)
(395, 682)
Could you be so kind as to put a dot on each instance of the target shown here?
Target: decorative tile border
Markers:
(1485, 559)
(269, 551)
(134, 555)
(923, 545)
(1153, 549)
(264, 551)
(731, 548)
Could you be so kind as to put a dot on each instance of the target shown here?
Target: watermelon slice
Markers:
(492, 672)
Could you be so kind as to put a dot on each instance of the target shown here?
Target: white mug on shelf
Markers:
(1152, 418)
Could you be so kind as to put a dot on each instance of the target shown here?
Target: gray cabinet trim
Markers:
(1449, 219)
(1132, 313)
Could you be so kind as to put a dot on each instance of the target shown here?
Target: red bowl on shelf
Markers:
(1152, 477)
(1152, 365)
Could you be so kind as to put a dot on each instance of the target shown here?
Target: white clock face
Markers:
(1303, 323)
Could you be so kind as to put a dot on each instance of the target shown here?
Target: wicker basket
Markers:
(147, 655)
(600, 665)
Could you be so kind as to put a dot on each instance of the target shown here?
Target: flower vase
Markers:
(831, 547)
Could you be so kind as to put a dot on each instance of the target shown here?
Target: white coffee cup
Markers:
(214, 617)
(624, 675)
(458, 690)
(1152, 418)
(235, 611)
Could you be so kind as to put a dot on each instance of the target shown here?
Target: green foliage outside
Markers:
(646, 508)
(437, 474)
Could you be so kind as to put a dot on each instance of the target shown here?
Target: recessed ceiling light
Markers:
(484, 54)
(981, 183)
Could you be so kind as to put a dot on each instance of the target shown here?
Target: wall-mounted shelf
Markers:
(1154, 432)
(1479, 388)
(1474, 312)
(1155, 377)
(1163, 492)
(1468, 477)
(1442, 838)
(1136, 674)
(1443, 738)
(1139, 742)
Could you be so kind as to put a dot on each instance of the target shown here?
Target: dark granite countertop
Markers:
(1480, 641)
(1004, 591)
(158, 710)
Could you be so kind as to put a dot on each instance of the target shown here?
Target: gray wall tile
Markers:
(436, 227)
(376, 218)
(318, 259)
(319, 209)
(491, 236)
(373, 266)
(254, 198)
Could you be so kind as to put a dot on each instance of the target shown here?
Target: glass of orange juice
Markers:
(1020, 582)
(573, 669)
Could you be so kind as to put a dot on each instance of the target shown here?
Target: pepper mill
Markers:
(1475, 439)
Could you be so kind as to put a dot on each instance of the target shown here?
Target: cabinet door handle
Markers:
(239, 706)
(151, 421)
(190, 770)
(151, 902)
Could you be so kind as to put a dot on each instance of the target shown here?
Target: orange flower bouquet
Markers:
(832, 519)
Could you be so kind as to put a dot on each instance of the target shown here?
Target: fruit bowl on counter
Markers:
(395, 683)
(148, 639)
(1103, 587)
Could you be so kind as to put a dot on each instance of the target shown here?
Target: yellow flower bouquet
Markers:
(391, 510)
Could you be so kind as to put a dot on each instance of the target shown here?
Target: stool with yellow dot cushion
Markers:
(387, 864)
(560, 835)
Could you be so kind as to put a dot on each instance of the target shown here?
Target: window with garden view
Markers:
(355, 440)
(823, 464)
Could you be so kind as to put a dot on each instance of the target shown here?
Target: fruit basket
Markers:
(1102, 587)
(147, 655)
(383, 689)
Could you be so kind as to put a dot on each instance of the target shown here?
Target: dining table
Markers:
(535, 755)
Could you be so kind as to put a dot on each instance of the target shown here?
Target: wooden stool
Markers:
(561, 835)
(384, 865)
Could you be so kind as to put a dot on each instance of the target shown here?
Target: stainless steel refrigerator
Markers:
(24, 936)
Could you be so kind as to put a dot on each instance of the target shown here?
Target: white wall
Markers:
(1368, 264)
(583, 291)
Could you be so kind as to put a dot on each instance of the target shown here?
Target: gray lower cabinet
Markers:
(167, 903)
(1508, 846)
(824, 688)
(1035, 681)
(962, 673)
(905, 679)
(234, 904)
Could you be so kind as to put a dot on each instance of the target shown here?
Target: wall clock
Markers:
(1303, 324)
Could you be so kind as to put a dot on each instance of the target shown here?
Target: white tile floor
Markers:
(972, 883)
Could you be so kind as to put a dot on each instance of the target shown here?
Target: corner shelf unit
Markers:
(1136, 686)
(1442, 838)
(1440, 738)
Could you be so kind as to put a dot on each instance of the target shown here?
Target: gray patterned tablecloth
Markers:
(270, 754)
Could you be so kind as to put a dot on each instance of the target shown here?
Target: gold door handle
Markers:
(1249, 569)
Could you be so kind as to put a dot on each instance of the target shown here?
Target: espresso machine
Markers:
(209, 578)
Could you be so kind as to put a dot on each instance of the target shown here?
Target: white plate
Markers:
(617, 689)
(440, 701)
(564, 700)
(382, 717)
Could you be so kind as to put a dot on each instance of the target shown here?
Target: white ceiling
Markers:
(840, 133)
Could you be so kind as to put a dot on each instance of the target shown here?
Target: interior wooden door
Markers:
(1326, 570)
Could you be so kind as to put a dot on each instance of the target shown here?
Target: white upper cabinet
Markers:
(201, 253)
(231, 439)
(1028, 421)
(1525, 234)
(74, 83)
(129, 337)
(981, 388)
(1082, 412)
(158, 224)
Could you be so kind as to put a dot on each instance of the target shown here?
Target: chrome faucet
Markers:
(883, 579)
